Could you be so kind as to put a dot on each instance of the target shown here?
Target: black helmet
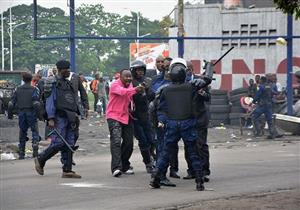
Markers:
(177, 70)
(137, 64)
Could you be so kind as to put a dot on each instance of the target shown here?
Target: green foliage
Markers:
(106, 56)
(289, 7)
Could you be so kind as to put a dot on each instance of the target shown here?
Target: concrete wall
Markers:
(249, 57)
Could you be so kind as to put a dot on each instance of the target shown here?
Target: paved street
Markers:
(235, 171)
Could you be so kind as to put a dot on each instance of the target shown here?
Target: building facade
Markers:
(249, 56)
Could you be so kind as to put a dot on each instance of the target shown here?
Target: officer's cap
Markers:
(63, 64)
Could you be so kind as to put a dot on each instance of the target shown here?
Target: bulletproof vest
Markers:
(65, 98)
(266, 96)
(179, 99)
(24, 96)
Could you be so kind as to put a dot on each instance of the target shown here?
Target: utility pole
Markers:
(2, 40)
(72, 36)
(180, 33)
(289, 82)
(10, 34)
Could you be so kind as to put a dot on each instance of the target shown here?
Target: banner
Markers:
(148, 52)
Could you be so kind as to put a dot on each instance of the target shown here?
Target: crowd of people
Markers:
(157, 107)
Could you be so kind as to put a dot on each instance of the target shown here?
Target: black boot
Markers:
(155, 180)
(199, 181)
(199, 184)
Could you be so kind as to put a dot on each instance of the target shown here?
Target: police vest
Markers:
(266, 96)
(179, 99)
(65, 96)
(24, 96)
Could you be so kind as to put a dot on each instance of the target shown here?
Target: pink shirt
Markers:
(119, 100)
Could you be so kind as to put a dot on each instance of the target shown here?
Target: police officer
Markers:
(263, 98)
(26, 98)
(142, 126)
(62, 111)
(159, 82)
(178, 119)
(200, 111)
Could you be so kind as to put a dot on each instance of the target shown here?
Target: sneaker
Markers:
(70, 174)
(117, 173)
(39, 169)
(129, 172)
(166, 182)
(174, 174)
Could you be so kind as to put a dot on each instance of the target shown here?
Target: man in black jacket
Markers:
(142, 126)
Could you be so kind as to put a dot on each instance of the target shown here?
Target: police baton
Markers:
(62, 138)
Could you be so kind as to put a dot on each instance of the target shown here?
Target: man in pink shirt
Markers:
(119, 122)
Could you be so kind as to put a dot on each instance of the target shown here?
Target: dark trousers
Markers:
(173, 154)
(203, 151)
(121, 144)
(267, 111)
(143, 133)
(176, 130)
(28, 120)
(66, 130)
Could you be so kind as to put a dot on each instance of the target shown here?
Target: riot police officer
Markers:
(263, 97)
(141, 123)
(62, 113)
(178, 119)
(26, 98)
(200, 111)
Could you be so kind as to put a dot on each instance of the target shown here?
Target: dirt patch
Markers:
(282, 199)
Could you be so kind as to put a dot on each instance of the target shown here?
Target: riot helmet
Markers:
(137, 65)
(177, 70)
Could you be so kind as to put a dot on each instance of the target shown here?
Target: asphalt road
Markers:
(235, 171)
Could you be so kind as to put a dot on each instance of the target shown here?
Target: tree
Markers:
(289, 6)
(106, 56)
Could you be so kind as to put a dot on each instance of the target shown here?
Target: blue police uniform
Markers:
(158, 84)
(61, 106)
(263, 98)
(25, 98)
(179, 122)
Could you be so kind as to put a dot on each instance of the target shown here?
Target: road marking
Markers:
(97, 185)
(289, 155)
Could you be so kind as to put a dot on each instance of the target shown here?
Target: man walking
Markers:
(62, 111)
